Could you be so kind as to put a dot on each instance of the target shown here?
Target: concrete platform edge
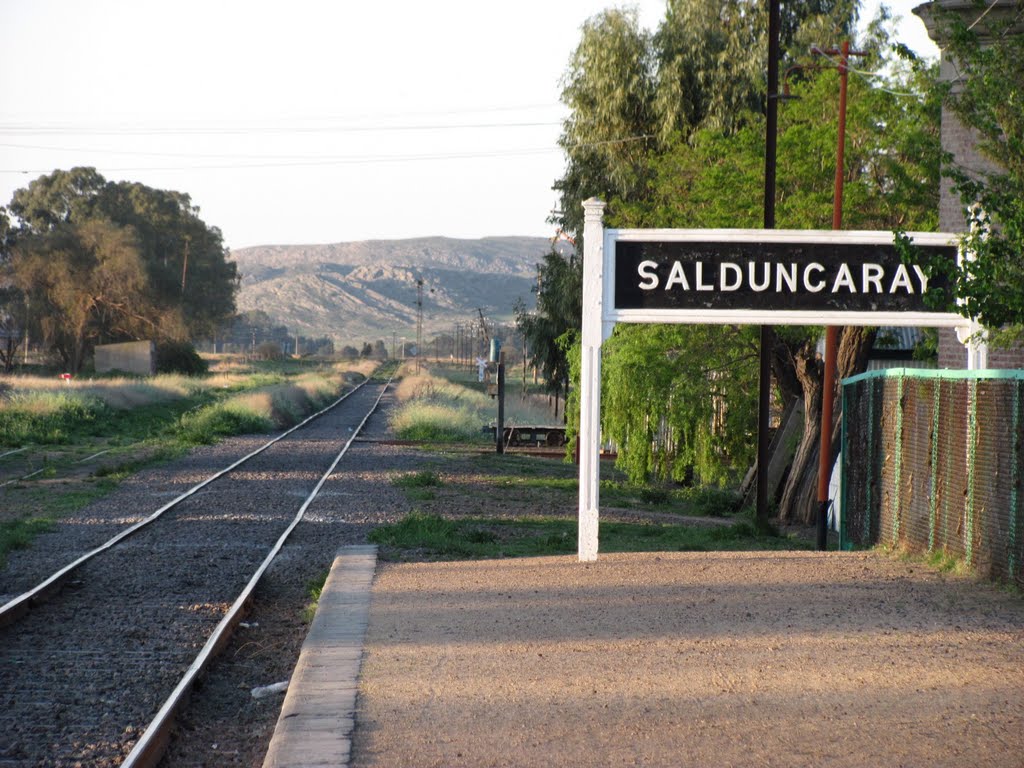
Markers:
(322, 734)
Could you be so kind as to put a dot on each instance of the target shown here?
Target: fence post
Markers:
(898, 465)
(1011, 560)
(934, 479)
(972, 446)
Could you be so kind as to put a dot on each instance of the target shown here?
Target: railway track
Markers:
(98, 657)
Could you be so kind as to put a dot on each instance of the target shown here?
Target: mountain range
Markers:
(368, 290)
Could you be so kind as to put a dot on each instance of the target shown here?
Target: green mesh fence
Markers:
(933, 461)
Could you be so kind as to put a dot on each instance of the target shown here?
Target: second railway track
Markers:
(83, 674)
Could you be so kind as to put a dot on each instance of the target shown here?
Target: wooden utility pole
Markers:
(764, 395)
(184, 265)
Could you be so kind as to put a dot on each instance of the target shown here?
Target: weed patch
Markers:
(432, 537)
(18, 534)
(423, 479)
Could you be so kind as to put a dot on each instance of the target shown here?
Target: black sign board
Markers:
(757, 276)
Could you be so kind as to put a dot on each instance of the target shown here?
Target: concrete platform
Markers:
(318, 715)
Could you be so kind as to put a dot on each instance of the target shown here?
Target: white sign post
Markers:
(733, 277)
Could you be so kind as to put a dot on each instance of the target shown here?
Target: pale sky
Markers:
(309, 121)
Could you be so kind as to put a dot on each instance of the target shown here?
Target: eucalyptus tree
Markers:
(83, 281)
(633, 95)
(182, 287)
(186, 259)
(12, 301)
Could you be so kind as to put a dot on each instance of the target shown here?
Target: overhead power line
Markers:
(232, 161)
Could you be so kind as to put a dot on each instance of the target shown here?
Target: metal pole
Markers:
(499, 432)
(832, 332)
(770, 150)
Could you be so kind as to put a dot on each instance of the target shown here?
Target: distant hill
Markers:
(363, 291)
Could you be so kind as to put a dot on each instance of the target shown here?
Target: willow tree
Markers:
(704, 382)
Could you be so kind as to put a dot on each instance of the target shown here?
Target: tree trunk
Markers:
(799, 503)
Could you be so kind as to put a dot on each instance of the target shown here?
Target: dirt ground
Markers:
(690, 659)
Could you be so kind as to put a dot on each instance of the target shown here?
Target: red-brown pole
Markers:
(837, 204)
(831, 332)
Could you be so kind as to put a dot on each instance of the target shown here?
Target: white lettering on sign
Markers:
(733, 280)
(785, 277)
(676, 277)
(818, 284)
(650, 279)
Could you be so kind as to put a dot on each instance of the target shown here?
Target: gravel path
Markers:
(690, 659)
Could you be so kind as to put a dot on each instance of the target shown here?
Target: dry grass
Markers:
(41, 394)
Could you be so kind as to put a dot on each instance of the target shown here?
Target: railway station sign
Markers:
(737, 277)
(784, 277)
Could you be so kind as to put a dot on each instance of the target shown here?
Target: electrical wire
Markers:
(286, 161)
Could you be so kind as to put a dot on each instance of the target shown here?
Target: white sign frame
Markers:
(600, 316)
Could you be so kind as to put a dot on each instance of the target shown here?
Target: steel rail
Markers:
(18, 606)
(150, 747)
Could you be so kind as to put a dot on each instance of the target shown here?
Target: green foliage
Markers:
(48, 418)
(434, 537)
(712, 502)
(18, 534)
(705, 168)
(314, 588)
(207, 425)
(438, 410)
(95, 260)
(989, 99)
(557, 316)
(892, 159)
(703, 379)
(633, 96)
(180, 357)
(269, 350)
(609, 89)
(436, 423)
(422, 479)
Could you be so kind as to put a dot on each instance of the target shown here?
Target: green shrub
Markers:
(426, 422)
(47, 418)
(269, 350)
(207, 424)
(180, 357)
(713, 502)
(655, 495)
(18, 534)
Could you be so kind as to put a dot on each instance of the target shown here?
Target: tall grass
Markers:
(43, 417)
(432, 408)
(50, 411)
(242, 414)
